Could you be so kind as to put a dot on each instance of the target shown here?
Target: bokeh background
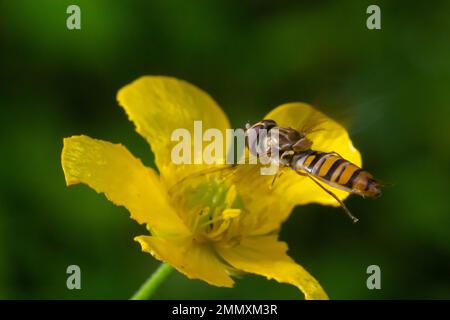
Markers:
(390, 87)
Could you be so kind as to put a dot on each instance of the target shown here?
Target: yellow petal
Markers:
(111, 169)
(266, 256)
(265, 207)
(158, 105)
(196, 261)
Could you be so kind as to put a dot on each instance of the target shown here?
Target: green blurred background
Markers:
(390, 87)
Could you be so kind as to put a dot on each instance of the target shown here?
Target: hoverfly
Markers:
(294, 150)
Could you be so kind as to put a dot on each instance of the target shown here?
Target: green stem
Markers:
(149, 287)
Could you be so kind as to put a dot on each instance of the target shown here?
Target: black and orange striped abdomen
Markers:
(337, 172)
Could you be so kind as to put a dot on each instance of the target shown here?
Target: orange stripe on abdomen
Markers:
(309, 160)
(328, 166)
(337, 172)
(347, 174)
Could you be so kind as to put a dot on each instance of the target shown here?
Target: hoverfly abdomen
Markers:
(337, 172)
(366, 186)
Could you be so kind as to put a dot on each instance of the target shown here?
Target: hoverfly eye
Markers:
(269, 124)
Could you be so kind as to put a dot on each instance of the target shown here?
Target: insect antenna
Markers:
(385, 184)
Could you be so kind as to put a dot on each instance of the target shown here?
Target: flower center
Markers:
(212, 210)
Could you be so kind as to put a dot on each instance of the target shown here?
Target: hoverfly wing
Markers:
(220, 170)
(362, 115)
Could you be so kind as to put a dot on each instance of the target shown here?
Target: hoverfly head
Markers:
(253, 135)
(264, 124)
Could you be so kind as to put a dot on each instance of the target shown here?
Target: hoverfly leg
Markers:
(284, 157)
(284, 160)
(343, 206)
(277, 175)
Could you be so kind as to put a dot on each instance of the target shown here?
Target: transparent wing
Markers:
(221, 171)
(304, 118)
(248, 169)
(363, 115)
(326, 134)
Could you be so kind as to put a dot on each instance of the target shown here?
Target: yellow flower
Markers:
(209, 227)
